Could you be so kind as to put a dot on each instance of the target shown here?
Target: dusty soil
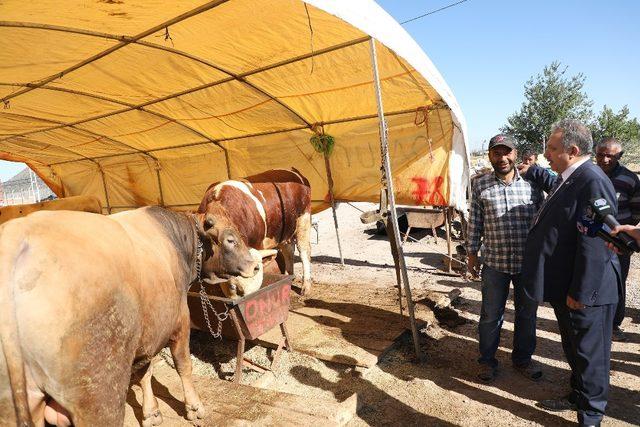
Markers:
(443, 389)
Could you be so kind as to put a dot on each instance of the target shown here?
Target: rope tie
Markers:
(167, 36)
(422, 118)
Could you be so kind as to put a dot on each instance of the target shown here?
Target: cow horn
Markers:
(214, 280)
(267, 252)
(209, 221)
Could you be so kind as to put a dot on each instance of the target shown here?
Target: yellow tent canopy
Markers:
(149, 102)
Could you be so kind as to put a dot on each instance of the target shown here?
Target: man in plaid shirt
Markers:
(503, 206)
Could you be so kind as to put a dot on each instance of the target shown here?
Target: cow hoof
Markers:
(305, 289)
(195, 412)
(152, 419)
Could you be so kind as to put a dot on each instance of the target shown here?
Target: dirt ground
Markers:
(442, 390)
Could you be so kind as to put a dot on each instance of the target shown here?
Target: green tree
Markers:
(618, 125)
(549, 97)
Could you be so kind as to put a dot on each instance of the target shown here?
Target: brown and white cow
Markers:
(269, 210)
(84, 297)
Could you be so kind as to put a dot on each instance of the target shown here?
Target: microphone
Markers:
(602, 212)
(588, 226)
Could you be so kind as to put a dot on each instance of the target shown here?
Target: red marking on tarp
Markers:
(428, 192)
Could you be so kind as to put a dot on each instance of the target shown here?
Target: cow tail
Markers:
(11, 348)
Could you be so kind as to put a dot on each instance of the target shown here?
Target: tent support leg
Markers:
(327, 166)
(396, 260)
(226, 161)
(447, 226)
(388, 183)
(159, 184)
(104, 186)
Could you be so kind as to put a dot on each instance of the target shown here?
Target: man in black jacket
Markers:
(627, 186)
(572, 271)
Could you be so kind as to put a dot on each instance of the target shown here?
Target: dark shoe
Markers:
(589, 424)
(487, 373)
(530, 370)
(619, 335)
(565, 403)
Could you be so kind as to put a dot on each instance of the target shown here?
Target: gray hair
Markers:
(574, 132)
(609, 141)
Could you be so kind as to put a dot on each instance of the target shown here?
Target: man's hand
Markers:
(631, 230)
(523, 168)
(573, 304)
(473, 266)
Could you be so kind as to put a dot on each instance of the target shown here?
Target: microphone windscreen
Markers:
(601, 208)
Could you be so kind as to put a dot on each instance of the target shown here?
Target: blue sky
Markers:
(487, 49)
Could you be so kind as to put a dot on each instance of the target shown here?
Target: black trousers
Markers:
(625, 262)
(586, 341)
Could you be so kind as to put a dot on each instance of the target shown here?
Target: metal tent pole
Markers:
(36, 190)
(327, 166)
(396, 248)
(33, 190)
(37, 186)
(447, 222)
(4, 195)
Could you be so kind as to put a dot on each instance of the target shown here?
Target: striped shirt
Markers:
(500, 217)
(627, 186)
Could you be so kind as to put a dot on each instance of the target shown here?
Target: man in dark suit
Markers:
(572, 271)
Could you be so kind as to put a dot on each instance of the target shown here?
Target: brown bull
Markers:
(269, 210)
(84, 297)
(74, 203)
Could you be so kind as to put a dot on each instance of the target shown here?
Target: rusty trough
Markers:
(420, 217)
(251, 316)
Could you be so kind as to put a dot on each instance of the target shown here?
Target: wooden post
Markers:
(393, 217)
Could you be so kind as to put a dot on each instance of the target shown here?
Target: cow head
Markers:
(236, 287)
(226, 255)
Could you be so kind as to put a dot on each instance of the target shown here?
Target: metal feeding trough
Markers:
(251, 316)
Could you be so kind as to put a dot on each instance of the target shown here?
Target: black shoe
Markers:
(530, 370)
(565, 403)
(487, 373)
(619, 335)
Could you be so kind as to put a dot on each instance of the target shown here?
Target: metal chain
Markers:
(204, 298)
(205, 302)
(199, 251)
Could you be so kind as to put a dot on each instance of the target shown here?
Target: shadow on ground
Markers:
(446, 368)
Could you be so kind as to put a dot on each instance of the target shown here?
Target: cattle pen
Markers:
(138, 105)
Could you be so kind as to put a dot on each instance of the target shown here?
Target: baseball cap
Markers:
(502, 139)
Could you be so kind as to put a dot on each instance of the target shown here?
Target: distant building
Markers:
(25, 187)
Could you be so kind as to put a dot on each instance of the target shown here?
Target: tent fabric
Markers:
(150, 102)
